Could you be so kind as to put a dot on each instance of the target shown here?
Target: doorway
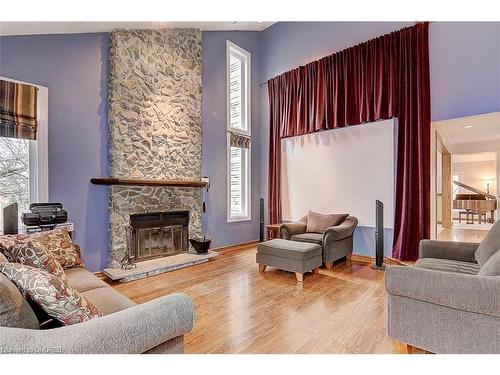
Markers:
(464, 177)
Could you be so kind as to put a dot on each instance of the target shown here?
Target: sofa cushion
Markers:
(447, 265)
(316, 238)
(289, 249)
(34, 254)
(492, 266)
(15, 311)
(489, 245)
(317, 223)
(55, 296)
(82, 279)
(108, 300)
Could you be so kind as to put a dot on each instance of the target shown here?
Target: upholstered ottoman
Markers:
(292, 256)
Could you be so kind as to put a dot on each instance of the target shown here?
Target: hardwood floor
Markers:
(242, 310)
(465, 235)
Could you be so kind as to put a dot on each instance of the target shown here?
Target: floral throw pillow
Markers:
(59, 243)
(34, 254)
(6, 242)
(58, 299)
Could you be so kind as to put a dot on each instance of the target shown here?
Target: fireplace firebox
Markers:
(159, 234)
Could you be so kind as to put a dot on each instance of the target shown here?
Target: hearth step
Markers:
(156, 266)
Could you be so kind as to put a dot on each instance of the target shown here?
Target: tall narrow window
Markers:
(23, 162)
(238, 133)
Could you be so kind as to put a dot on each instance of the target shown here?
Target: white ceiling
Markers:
(482, 128)
(32, 28)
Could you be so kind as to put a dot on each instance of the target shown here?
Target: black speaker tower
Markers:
(10, 222)
(261, 226)
(379, 236)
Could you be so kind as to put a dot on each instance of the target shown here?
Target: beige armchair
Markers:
(336, 241)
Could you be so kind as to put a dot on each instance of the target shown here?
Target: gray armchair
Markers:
(445, 303)
(336, 241)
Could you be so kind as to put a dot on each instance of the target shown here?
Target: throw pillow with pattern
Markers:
(6, 242)
(34, 254)
(59, 243)
(51, 293)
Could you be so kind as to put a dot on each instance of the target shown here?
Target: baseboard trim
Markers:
(239, 246)
(366, 259)
(358, 258)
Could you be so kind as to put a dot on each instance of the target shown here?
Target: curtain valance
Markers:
(238, 140)
(382, 78)
(18, 110)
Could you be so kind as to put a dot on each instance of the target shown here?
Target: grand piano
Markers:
(476, 203)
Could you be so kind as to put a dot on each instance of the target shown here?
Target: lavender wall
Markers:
(465, 68)
(213, 113)
(464, 63)
(74, 68)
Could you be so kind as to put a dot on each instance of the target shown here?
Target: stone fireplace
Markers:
(154, 121)
(159, 234)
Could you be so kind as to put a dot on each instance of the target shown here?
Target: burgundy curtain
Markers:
(383, 78)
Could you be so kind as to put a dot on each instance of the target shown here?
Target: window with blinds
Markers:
(23, 145)
(238, 133)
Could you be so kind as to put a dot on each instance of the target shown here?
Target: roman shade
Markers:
(238, 140)
(18, 110)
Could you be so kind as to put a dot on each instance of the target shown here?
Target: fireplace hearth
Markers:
(158, 234)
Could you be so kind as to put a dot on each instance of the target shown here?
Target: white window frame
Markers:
(38, 150)
(232, 48)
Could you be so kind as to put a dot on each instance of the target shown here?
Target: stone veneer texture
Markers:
(154, 119)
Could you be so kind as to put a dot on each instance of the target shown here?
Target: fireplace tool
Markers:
(128, 261)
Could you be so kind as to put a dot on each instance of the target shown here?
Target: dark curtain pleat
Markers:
(379, 79)
(277, 114)
(412, 219)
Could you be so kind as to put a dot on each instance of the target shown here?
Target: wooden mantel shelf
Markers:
(146, 182)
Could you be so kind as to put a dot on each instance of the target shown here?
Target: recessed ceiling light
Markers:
(467, 126)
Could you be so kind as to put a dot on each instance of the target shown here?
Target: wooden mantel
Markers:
(146, 182)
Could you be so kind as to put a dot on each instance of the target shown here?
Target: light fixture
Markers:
(488, 182)
(467, 126)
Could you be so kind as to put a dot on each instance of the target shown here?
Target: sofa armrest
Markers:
(461, 251)
(288, 230)
(341, 231)
(134, 330)
(475, 294)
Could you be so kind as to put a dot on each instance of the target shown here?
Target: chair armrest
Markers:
(462, 251)
(341, 231)
(475, 294)
(291, 229)
(134, 330)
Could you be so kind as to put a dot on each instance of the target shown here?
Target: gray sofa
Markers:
(157, 326)
(335, 241)
(444, 304)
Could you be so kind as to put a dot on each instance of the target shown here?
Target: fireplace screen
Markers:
(159, 234)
